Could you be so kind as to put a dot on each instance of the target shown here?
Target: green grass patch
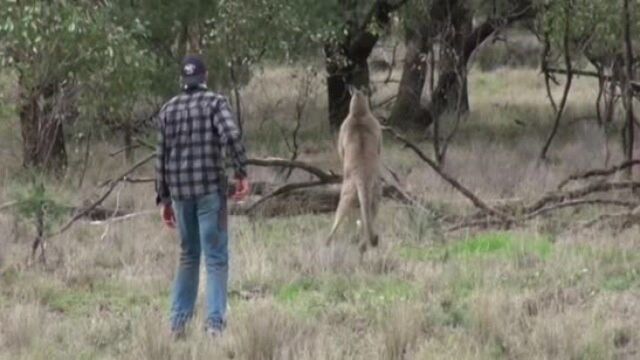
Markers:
(107, 297)
(622, 282)
(289, 230)
(311, 296)
(504, 243)
(501, 244)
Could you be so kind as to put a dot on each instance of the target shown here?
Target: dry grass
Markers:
(544, 292)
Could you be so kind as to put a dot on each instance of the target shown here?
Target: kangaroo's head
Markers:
(359, 102)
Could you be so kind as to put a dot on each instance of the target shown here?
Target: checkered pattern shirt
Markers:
(195, 128)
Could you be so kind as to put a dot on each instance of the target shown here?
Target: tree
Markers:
(40, 41)
(347, 31)
(346, 55)
(629, 77)
(596, 31)
(446, 26)
(62, 52)
(233, 36)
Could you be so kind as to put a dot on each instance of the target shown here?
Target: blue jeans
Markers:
(202, 224)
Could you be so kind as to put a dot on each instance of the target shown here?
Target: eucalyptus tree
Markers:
(346, 31)
(50, 46)
(598, 31)
(449, 31)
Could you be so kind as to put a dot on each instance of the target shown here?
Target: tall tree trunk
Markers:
(406, 111)
(451, 91)
(452, 20)
(346, 61)
(42, 130)
(355, 72)
(628, 91)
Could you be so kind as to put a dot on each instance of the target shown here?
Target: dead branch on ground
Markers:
(599, 172)
(315, 171)
(518, 213)
(475, 200)
(112, 185)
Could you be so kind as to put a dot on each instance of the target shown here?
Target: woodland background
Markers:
(510, 225)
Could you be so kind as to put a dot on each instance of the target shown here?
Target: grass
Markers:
(501, 244)
(541, 292)
(312, 296)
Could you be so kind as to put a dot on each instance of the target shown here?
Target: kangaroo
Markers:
(360, 150)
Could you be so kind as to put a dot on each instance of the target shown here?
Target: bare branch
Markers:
(567, 87)
(123, 217)
(126, 148)
(112, 185)
(599, 172)
(579, 193)
(581, 202)
(283, 190)
(635, 84)
(8, 205)
(453, 182)
(145, 144)
(327, 177)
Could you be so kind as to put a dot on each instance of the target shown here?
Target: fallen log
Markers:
(314, 200)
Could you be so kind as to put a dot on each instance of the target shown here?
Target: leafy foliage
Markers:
(595, 26)
(37, 205)
(49, 41)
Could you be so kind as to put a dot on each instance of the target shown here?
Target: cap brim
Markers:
(194, 79)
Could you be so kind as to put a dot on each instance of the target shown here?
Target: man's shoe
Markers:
(213, 332)
(214, 328)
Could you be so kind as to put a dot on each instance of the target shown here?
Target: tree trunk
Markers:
(346, 61)
(628, 91)
(453, 22)
(407, 111)
(355, 72)
(445, 96)
(42, 131)
(451, 91)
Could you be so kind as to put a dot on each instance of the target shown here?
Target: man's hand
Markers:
(168, 216)
(242, 189)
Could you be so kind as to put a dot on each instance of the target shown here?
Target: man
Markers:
(194, 129)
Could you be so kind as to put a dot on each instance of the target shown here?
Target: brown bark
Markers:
(406, 112)
(346, 62)
(628, 91)
(355, 72)
(42, 129)
(453, 20)
(567, 87)
(460, 40)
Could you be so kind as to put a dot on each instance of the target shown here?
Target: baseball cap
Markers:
(193, 70)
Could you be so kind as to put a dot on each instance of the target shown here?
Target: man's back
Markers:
(193, 128)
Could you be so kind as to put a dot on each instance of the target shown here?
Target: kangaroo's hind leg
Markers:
(376, 197)
(345, 205)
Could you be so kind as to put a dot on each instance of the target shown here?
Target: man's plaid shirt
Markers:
(193, 128)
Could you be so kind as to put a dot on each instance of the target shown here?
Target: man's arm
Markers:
(162, 189)
(231, 137)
